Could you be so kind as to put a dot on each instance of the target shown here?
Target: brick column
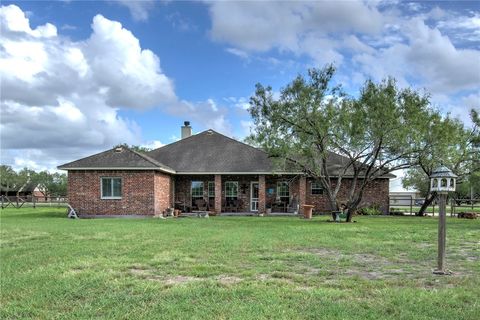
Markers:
(218, 194)
(261, 194)
(302, 193)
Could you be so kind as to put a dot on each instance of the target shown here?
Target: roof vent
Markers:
(210, 132)
(118, 149)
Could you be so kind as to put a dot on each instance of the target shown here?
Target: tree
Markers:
(377, 133)
(58, 184)
(136, 148)
(8, 178)
(448, 143)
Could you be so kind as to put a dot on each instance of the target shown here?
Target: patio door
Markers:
(254, 196)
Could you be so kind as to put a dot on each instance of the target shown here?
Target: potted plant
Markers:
(268, 209)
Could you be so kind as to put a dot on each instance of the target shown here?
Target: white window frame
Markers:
(191, 190)
(111, 197)
(226, 194)
(279, 184)
(208, 189)
(311, 188)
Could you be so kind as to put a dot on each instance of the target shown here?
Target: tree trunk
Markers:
(350, 211)
(428, 201)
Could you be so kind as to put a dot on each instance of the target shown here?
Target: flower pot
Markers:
(307, 211)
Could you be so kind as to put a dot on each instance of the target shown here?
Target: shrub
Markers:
(370, 211)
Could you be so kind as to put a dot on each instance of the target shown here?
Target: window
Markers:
(211, 189)
(316, 188)
(197, 192)
(231, 189)
(283, 190)
(111, 188)
(197, 189)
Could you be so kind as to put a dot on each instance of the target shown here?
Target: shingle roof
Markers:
(212, 152)
(205, 152)
(116, 158)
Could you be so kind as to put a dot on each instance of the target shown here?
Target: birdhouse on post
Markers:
(442, 181)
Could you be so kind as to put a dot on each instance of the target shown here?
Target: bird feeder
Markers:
(442, 180)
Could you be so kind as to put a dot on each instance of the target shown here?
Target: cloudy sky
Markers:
(80, 77)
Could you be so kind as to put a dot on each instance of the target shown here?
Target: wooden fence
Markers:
(33, 201)
(410, 205)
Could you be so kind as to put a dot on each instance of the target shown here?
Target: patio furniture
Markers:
(201, 205)
(233, 205)
(279, 206)
(293, 206)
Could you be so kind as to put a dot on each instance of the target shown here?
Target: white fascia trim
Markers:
(119, 168)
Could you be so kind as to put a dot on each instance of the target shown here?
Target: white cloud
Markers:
(60, 98)
(139, 9)
(284, 24)
(237, 52)
(154, 144)
(426, 56)
(373, 38)
(246, 125)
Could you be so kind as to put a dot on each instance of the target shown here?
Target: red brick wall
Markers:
(376, 193)
(163, 192)
(261, 194)
(218, 193)
(139, 192)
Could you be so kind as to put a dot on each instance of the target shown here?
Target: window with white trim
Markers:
(231, 190)
(283, 191)
(197, 189)
(316, 188)
(111, 188)
(211, 189)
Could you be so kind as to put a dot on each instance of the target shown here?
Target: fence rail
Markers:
(33, 201)
(410, 205)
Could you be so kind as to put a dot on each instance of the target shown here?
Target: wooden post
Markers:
(442, 236)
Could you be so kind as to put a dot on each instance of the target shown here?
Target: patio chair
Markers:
(201, 204)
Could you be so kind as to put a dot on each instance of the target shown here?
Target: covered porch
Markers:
(239, 194)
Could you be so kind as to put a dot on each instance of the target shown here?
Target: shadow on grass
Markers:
(24, 213)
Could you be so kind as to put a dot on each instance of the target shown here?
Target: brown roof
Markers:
(117, 158)
(205, 152)
(211, 152)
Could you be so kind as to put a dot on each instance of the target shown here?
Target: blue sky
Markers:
(81, 76)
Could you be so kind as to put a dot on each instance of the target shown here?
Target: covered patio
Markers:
(239, 194)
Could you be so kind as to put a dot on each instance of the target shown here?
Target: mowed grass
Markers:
(234, 268)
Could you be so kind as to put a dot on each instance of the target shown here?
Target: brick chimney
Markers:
(186, 130)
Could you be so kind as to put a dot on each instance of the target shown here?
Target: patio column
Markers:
(218, 194)
(261, 193)
(302, 193)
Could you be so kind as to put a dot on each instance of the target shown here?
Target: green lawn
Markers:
(234, 268)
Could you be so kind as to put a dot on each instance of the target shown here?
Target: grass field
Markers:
(234, 268)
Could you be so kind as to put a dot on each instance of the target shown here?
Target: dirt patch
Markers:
(227, 280)
(149, 274)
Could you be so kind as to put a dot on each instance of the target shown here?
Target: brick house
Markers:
(205, 171)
